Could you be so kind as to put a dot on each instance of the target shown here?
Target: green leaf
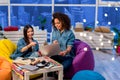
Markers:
(43, 21)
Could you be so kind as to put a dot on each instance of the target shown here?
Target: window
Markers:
(75, 1)
(31, 1)
(85, 15)
(109, 16)
(89, 12)
(3, 16)
(110, 0)
(22, 15)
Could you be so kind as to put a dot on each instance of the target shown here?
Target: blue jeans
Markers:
(66, 61)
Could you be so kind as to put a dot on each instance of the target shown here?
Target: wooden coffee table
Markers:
(20, 74)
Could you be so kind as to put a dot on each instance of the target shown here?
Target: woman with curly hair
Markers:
(63, 35)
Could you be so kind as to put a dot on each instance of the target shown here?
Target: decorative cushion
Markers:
(102, 29)
(87, 75)
(78, 29)
(118, 50)
(11, 28)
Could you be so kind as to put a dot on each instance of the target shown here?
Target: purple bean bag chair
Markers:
(84, 59)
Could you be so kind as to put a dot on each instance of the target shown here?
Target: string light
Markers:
(81, 34)
(116, 9)
(101, 43)
(109, 41)
(90, 37)
(97, 48)
(85, 49)
(109, 23)
(101, 36)
(85, 34)
(114, 33)
(115, 47)
(84, 20)
(109, 5)
(106, 15)
(97, 22)
(113, 58)
(100, 39)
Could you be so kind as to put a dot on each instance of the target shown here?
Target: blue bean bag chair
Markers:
(87, 75)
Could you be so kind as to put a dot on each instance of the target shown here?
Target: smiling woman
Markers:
(63, 35)
(27, 46)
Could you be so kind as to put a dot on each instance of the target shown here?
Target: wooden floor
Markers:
(107, 63)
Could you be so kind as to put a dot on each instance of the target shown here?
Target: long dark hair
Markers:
(25, 34)
(63, 18)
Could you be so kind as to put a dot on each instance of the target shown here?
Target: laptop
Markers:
(50, 50)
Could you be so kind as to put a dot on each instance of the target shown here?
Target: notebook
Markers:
(29, 67)
(50, 50)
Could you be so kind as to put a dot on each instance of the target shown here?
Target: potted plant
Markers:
(116, 40)
(43, 21)
(2, 36)
(0, 27)
(88, 28)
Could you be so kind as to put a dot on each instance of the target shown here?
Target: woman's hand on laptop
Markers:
(63, 53)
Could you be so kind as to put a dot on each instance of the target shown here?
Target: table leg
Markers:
(26, 77)
(15, 76)
(44, 76)
(60, 75)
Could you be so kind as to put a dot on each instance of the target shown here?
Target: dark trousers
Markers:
(66, 61)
